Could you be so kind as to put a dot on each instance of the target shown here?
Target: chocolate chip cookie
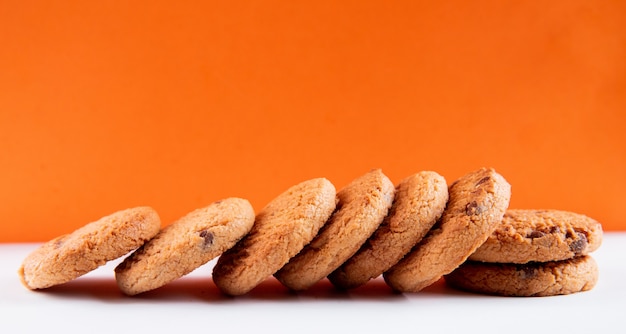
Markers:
(362, 206)
(530, 279)
(418, 203)
(477, 203)
(184, 245)
(541, 236)
(87, 248)
(280, 231)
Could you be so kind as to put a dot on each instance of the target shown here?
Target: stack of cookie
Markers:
(534, 253)
(413, 234)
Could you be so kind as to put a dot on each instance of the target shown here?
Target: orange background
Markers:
(106, 105)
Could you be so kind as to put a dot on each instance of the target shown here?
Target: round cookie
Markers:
(69, 256)
(362, 206)
(184, 245)
(418, 203)
(280, 231)
(525, 280)
(477, 203)
(540, 235)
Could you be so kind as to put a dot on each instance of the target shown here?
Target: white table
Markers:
(93, 304)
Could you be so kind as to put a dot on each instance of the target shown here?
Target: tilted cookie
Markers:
(525, 280)
(184, 245)
(362, 206)
(280, 231)
(477, 203)
(540, 235)
(87, 248)
(418, 203)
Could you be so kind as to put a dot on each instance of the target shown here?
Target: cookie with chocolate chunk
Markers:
(280, 231)
(540, 235)
(418, 203)
(184, 245)
(525, 280)
(87, 248)
(477, 203)
(363, 204)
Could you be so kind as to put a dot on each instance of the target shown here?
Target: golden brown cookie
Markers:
(540, 235)
(280, 231)
(530, 279)
(362, 206)
(72, 255)
(477, 203)
(184, 245)
(418, 203)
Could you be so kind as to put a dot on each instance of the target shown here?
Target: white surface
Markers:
(93, 304)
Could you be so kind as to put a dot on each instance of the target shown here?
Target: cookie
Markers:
(361, 208)
(525, 280)
(477, 203)
(280, 231)
(72, 255)
(540, 235)
(418, 203)
(184, 245)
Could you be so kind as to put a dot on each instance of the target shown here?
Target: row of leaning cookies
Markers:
(413, 233)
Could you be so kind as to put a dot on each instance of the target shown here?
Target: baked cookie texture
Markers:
(476, 205)
(418, 203)
(185, 245)
(525, 280)
(541, 236)
(362, 206)
(414, 234)
(280, 231)
(72, 255)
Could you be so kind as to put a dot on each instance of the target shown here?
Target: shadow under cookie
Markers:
(103, 289)
(188, 289)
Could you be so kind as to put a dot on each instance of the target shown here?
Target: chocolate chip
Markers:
(527, 271)
(483, 180)
(535, 234)
(578, 245)
(208, 237)
(473, 208)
